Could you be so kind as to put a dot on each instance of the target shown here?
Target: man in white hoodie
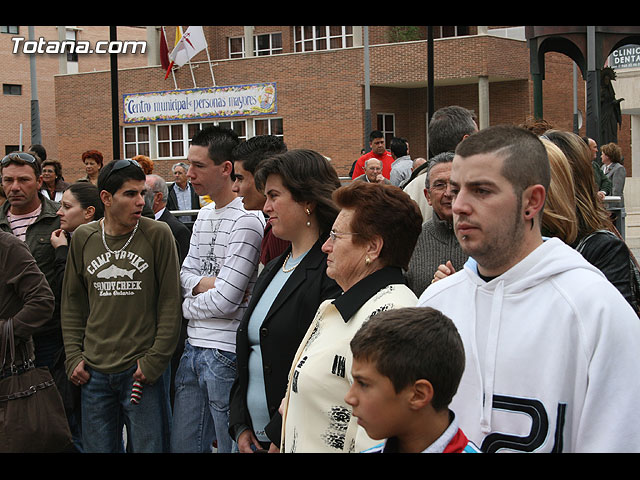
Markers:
(551, 366)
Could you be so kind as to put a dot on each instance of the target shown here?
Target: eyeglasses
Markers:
(440, 185)
(25, 157)
(120, 164)
(333, 235)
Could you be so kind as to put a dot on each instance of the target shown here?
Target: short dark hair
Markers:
(525, 157)
(398, 146)
(219, 142)
(256, 149)
(447, 128)
(414, 343)
(88, 195)
(375, 134)
(309, 177)
(112, 180)
(383, 210)
(39, 150)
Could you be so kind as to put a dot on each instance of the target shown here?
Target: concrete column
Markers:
(483, 102)
(153, 46)
(248, 41)
(358, 36)
(62, 58)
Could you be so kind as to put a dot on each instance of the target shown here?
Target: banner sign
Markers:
(625, 57)
(199, 103)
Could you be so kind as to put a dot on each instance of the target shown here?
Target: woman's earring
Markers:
(367, 261)
(308, 221)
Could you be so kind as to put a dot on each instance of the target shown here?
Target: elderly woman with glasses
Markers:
(372, 240)
(53, 184)
(298, 186)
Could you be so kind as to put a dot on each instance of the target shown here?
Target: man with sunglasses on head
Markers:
(31, 217)
(121, 317)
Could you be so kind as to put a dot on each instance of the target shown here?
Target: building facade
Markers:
(16, 45)
(318, 88)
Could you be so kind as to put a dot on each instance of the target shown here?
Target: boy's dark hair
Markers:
(410, 344)
(219, 141)
(116, 172)
(256, 149)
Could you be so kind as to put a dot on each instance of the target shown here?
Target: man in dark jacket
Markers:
(26, 298)
(182, 195)
(31, 217)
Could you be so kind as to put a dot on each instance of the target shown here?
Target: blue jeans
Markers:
(106, 407)
(201, 404)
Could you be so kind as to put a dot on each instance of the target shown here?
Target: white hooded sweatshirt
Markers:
(552, 348)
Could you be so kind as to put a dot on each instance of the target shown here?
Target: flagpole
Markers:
(192, 76)
(173, 74)
(175, 84)
(210, 67)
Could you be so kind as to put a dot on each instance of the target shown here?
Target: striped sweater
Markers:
(225, 244)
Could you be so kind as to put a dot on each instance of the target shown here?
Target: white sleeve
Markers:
(190, 270)
(609, 421)
(235, 276)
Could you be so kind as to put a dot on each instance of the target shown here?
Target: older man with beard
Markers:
(437, 244)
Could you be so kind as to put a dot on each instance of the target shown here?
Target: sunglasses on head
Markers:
(120, 164)
(25, 157)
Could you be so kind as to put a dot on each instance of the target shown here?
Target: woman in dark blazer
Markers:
(298, 187)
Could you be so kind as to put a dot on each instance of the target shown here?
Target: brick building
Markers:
(319, 78)
(15, 102)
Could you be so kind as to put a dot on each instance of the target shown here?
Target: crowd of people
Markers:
(480, 300)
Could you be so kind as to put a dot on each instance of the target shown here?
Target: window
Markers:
(265, 44)
(236, 47)
(11, 89)
(268, 126)
(12, 30)
(170, 140)
(386, 124)
(238, 126)
(451, 31)
(309, 39)
(136, 141)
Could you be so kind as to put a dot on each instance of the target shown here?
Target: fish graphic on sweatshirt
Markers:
(115, 272)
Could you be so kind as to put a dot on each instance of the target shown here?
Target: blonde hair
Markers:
(591, 213)
(559, 217)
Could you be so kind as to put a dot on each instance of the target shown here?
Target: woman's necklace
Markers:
(287, 270)
(104, 240)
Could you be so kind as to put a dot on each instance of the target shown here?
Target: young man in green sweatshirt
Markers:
(121, 317)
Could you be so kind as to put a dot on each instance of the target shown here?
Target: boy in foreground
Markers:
(407, 364)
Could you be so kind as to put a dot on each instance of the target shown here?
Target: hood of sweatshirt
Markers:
(549, 259)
